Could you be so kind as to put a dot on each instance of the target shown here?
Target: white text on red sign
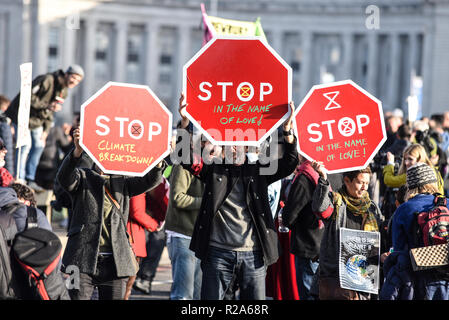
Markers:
(244, 91)
(135, 128)
(346, 127)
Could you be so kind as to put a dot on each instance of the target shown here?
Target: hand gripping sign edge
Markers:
(94, 158)
(335, 106)
(197, 123)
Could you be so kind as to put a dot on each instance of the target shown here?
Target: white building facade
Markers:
(379, 44)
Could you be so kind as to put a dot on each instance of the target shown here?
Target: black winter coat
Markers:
(299, 217)
(218, 180)
(86, 189)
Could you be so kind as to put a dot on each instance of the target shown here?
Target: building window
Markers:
(134, 56)
(167, 62)
(103, 54)
(360, 60)
(53, 49)
(293, 52)
(196, 41)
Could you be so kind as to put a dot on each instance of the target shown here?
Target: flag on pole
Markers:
(214, 26)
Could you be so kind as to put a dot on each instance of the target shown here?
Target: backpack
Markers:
(30, 267)
(433, 225)
(8, 230)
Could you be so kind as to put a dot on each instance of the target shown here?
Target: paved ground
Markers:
(161, 284)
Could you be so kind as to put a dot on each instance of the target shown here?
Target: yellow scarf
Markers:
(357, 207)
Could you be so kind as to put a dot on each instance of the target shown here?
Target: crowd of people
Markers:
(229, 230)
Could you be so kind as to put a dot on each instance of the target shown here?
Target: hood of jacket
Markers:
(7, 196)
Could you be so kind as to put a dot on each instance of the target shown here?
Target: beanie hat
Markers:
(75, 69)
(420, 174)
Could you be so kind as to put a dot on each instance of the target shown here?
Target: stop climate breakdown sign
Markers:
(237, 90)
(340, 124)
(125, 129)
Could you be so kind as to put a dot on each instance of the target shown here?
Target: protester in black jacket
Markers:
(234, 235)
(307, 229)
(97, 242)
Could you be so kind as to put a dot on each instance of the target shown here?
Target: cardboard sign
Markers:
(359, 260)
(23, 116)
(341, 125)
(125, 129)
(237, 90)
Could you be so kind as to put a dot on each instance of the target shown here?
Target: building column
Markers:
(413, 40)
(67, 59)
(427, 68)
(184, 35)
(14, 49)
(276, 40)
(373, 41)
(121, 47)
(152, 57)
(3, 41)
(89, 56)
(27, 31)
(394, 71)
(348, 48)
(306, 47)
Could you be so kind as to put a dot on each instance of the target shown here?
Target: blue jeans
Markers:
(305, 270)
(428, 287)
(224, 269)
(186, 270)
(30, 155)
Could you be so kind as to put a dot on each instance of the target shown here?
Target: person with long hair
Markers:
(415, 153)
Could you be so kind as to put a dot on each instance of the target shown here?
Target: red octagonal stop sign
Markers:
(125, 129)
(237, 90)
(341, 125)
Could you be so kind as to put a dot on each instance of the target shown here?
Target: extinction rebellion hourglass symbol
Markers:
(136, 130)
(331, 97)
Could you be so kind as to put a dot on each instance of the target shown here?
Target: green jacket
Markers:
(186, 192)
(44, 89)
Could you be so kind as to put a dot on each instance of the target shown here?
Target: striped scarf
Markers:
(358, 207)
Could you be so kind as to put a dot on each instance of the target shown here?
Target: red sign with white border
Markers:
(237, 90)
(125, 129)
(341, 125)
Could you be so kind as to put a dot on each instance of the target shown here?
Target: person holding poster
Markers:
(97, 241)
(353, 210)
(234, 234)
(48, 93)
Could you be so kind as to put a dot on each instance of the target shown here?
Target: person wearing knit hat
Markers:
(419, 175)
(48, 93)
(75, 69)
(427, 285)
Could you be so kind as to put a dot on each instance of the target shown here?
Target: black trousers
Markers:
(110, 287)
(155, 246)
